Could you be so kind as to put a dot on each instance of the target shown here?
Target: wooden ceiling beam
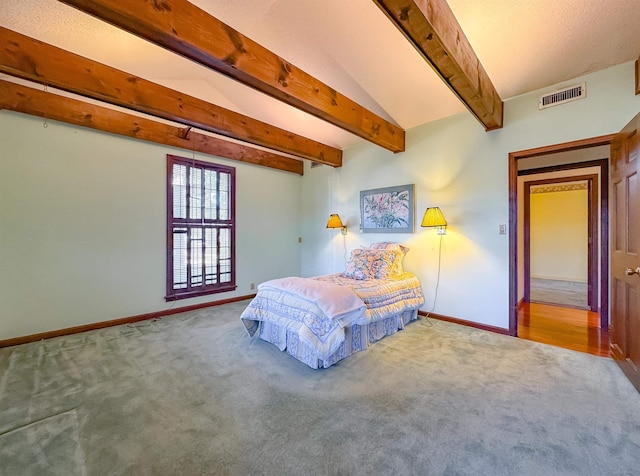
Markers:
(431, 27)
(18, 98)
(36, 61)
(185, 29)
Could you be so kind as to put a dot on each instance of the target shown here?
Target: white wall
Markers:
(559, 235)
(82, 212)
(459, 167)
(82, 226)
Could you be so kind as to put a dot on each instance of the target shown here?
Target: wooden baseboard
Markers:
(462, 322)
(116, 322)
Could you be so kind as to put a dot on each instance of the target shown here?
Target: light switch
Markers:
(502, 229)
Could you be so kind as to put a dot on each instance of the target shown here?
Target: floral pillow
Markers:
(392, 265)
(374, 263)
(388, 264)
(384, 245)
(359, 266)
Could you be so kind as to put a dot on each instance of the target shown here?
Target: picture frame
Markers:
(388, 210)
(638, 76)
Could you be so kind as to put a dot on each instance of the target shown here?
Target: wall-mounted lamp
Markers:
(335, 222)
(433, 217)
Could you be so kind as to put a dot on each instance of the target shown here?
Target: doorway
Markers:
(572, 154)
(561, 222)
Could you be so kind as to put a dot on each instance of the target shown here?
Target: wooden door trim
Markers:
(592, 229)
(527, 242)
(513, 218)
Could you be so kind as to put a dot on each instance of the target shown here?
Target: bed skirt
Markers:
(357, 338)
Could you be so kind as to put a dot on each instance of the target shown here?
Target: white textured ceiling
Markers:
(524, 45)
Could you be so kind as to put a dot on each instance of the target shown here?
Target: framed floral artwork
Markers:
(387, 210)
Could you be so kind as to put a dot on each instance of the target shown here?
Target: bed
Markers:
(324, 319)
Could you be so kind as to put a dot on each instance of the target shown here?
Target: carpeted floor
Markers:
(563, 293)
(192, 394)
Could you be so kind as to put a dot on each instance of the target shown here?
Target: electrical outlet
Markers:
(252, 286)
(502, 229)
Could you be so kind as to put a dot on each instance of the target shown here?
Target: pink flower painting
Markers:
(387, 210)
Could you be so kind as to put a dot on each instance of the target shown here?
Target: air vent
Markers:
(561, 96)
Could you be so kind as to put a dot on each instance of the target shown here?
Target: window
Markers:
(200, 228)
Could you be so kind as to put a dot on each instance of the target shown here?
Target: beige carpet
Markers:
(192, 394)
(563, 293)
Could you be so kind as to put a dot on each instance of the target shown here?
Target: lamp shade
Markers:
(334, 221)
(433, 217)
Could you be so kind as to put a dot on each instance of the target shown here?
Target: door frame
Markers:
(592, 223)
(513, 224)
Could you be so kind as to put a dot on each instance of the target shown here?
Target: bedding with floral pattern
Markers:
(381, 260)
(374, 275)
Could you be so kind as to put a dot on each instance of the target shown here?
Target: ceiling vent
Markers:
(572, 93)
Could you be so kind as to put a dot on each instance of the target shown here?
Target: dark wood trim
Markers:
(592, 259)
(168, 213)
(433, 30)
(527, 242)
(604, 244)
(172, 222)
(513, 219)
(592, 231)
(463, 322)
(513, 246)
(182, 28)
(199, 293)
(33, 60)
(117, 322)
(27, 100)
(563, 147)
(561, 167)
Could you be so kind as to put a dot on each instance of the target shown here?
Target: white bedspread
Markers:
(340, 304)
(319, 309)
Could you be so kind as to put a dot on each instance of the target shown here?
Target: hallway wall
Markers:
(559, 234)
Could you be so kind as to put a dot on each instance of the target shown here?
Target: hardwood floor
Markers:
(574, 329)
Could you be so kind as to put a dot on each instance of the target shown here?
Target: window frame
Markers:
(202, 223)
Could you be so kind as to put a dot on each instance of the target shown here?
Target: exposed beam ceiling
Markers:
(31, 59)
(16, 97)
(185, 29)
(352, 47)
(434, 31)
